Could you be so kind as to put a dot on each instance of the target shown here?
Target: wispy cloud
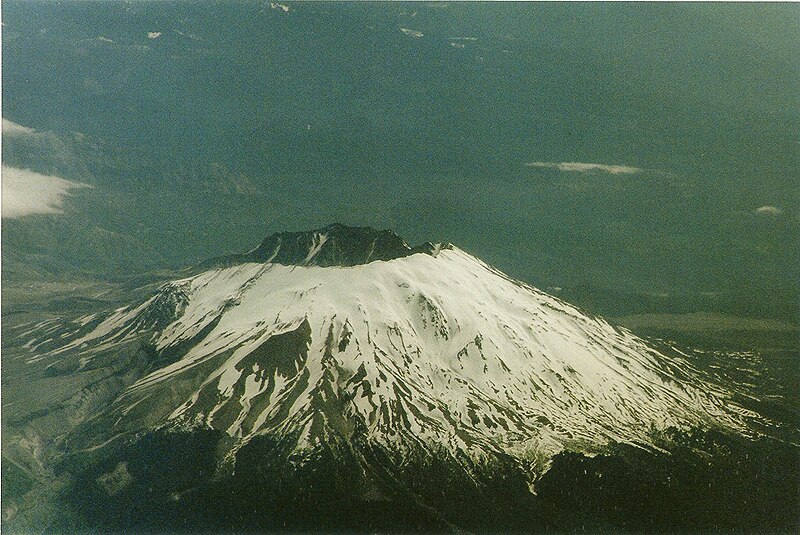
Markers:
(191, 36)
(25, 192)
(10, 128)
(768, 210)
(581, 167)
(412, 33)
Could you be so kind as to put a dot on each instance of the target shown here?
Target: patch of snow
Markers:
(319, 241)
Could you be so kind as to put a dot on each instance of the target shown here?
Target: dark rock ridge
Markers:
(332, 245)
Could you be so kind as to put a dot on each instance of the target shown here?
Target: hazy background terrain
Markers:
(190, 130)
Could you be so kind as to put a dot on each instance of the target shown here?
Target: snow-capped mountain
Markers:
(320, 336)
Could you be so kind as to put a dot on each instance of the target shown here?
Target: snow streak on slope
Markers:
(426, 350)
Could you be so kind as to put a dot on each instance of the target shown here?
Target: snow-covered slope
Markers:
(427, 350)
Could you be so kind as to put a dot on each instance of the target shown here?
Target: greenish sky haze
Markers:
(202, 127)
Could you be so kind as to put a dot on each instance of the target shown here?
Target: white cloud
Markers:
(189, 35)
(25, 192)
(768, 210)
(10, 128)
(579, 167)
(153, 35)
(104, 39)
(412, 33)
(282, 7)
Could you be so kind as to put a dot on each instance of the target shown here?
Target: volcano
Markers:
(347, 350)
